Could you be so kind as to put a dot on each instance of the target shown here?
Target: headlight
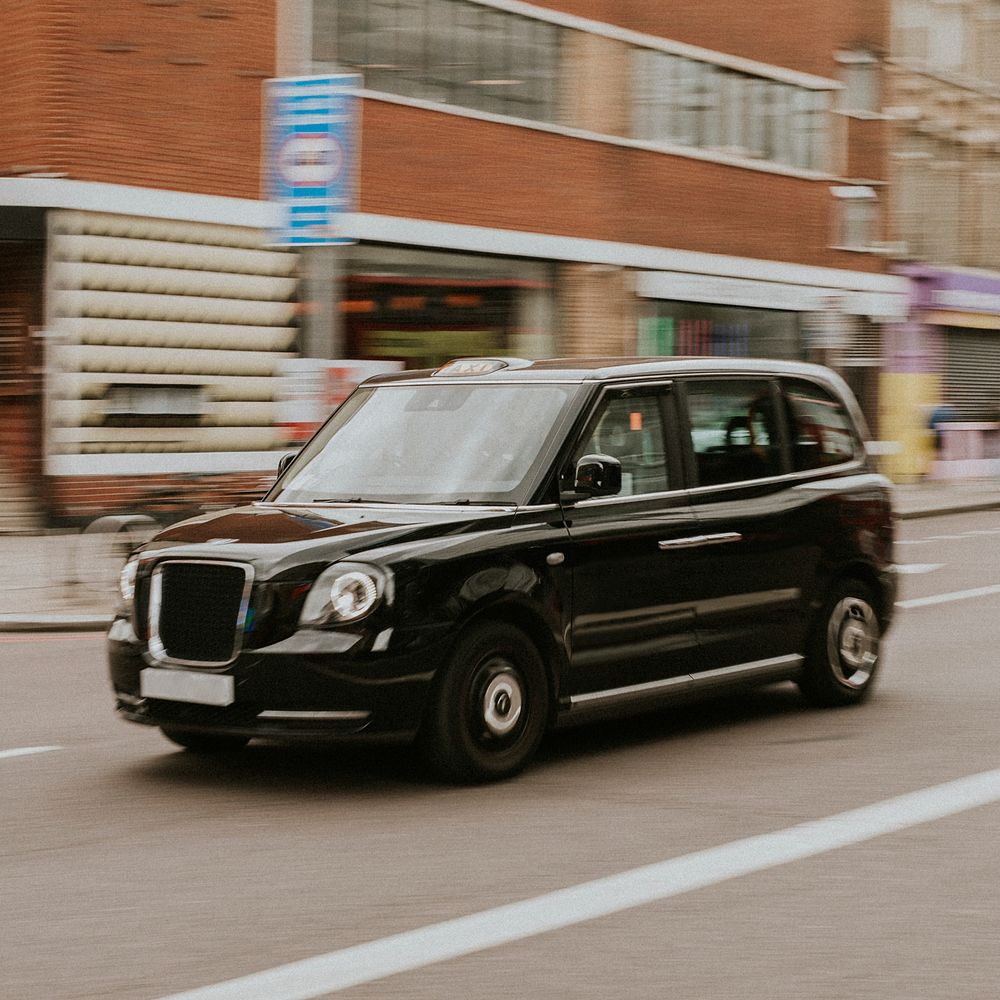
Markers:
(343, 593)
(126, 580)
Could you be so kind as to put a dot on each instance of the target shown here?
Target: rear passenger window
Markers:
(821, 430)
(733, 430)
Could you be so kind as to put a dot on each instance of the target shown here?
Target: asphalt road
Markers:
(129, 869)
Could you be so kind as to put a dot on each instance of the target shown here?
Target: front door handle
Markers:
(697, 541)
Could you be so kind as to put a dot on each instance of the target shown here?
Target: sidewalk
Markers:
(68, 581)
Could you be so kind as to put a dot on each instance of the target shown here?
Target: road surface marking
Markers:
(24, 751)
(907, 568)
(956, 595)
(947, 538)
(366, 963)
(12, 637)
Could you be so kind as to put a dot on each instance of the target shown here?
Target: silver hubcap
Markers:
(853, 638)
(502, 703)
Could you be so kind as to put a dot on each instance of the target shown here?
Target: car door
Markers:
(632, 620)
(752, 569)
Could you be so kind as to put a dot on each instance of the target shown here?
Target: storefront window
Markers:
(422, 308)
(692, 328)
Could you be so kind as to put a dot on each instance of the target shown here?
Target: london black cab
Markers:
(468, 556)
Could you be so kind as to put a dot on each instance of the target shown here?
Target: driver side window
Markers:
(629, 427)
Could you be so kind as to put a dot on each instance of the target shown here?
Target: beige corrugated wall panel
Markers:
(234, 388)
(168, 303)
(177, 308)
(187, 256)
(240, 414)
(92, 413)
(158, 333)
(92, 440)
(162, 360)
(174, 281)
(141, 228)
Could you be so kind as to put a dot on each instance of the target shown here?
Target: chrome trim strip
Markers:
(478, 380)
(629, 691)
(155, 645)
(506, 508)
(697, 541)
(804, 479)
(700, 679)
(790, 478)
(747, 669)
(315, 716)
(634, 498)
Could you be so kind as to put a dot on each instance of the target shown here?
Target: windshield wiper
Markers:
(341, 500)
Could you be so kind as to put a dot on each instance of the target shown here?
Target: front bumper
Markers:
(314, 685)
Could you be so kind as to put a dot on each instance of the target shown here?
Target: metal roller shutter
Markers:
(972, 372)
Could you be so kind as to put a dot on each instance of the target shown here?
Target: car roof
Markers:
(599, 369)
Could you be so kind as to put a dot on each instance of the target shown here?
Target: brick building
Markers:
(535, 178)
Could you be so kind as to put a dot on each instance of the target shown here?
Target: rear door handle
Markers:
(697, 541)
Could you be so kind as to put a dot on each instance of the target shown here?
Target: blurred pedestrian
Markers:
(943, 413)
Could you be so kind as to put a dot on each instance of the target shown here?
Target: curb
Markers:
(54, 623)
(965, 508)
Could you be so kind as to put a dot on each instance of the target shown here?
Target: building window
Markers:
(688, 102)
(859, 74)
(446, 51)
(857, 222)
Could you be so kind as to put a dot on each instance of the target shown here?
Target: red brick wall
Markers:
(21, 268)
(27, 55)
(502, 176)
(163, 93)
(798, 34)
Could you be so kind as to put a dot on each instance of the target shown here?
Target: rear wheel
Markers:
(490, 706)
(843, 656)
(205, 743)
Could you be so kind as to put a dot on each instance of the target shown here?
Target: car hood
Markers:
(274, 537)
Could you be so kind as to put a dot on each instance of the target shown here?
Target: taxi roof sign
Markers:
(471, 366)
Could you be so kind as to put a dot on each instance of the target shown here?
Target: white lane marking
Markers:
(956, 595)
(365, 963)
(947, 538)
(907, 568)
(24, 751)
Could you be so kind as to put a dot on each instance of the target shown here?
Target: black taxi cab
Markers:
(468, 556)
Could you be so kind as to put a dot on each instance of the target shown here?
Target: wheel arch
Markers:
(868, 575)
(529, 621)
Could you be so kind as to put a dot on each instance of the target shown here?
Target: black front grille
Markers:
(199, 610)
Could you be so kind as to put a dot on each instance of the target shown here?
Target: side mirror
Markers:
(596, 476)
(285, 461)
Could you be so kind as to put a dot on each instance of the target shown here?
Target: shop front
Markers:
(689, 314)
(944, 374)
(422, 308)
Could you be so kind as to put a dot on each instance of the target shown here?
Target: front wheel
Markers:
(204, 743)
(490, 707)
(843, 655)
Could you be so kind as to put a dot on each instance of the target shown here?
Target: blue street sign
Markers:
(311, 155)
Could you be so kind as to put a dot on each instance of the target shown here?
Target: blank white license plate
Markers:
(186, 685)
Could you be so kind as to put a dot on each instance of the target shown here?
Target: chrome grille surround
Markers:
(231, 625)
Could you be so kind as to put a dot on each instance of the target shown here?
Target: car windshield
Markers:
(429, 443)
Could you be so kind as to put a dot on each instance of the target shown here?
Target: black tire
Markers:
(843, 655)
(205, 743)
(490, 706)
